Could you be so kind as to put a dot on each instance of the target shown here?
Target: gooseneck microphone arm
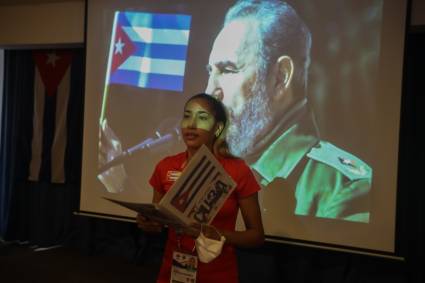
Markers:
(146, 144)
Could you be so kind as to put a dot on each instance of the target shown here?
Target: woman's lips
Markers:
(190, 136)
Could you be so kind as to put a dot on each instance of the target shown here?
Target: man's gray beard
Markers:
(255, 117)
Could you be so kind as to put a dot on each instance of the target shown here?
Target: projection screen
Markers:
(327, 166)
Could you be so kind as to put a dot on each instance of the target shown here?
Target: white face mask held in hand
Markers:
(208, 249)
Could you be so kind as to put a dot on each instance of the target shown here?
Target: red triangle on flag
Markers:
(52, 66)
(123, 48)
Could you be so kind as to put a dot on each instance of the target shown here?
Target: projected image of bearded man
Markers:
(253, 117)
(235, 68)
(258, 67)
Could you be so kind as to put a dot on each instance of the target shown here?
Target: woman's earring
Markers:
(218, 132)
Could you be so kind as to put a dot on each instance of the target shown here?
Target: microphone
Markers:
(147, 144)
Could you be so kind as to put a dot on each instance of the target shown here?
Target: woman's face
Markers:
(198, 124)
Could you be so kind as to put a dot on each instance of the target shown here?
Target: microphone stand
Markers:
(147, 144)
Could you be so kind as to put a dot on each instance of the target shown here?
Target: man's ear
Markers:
(284, 71)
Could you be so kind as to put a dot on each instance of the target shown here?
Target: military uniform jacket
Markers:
(316, 178)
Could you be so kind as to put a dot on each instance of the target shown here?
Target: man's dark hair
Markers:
(282, 32)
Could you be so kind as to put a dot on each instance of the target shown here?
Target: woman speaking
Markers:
(209, 248)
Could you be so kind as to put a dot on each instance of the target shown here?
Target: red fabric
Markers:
(224, 267)
(127, 49)
(52, 66)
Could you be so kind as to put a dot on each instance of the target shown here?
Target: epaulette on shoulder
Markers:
(346, 163)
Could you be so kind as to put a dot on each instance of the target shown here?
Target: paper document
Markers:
(196, 196)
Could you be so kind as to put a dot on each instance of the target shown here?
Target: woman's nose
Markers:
(192, 123)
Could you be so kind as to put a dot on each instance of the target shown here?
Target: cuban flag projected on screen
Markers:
(148, 50)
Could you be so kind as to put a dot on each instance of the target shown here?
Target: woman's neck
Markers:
(191, 151)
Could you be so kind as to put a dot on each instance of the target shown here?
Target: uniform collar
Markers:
(282, 156)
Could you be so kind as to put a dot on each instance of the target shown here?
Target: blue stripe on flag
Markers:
(158, 81)
(155, 81)
(122, 19)
(156, 21)
(162, 51)
(125, 77)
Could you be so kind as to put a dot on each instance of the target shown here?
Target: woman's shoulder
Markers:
(235, 164)
(232, 159)
(242, 174)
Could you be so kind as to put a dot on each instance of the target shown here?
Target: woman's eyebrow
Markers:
(200, 112)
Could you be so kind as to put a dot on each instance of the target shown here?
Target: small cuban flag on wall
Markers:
(148, 50)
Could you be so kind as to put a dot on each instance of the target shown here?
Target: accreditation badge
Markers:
(183, 268)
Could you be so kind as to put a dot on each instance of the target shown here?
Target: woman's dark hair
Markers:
(220, 114)
(216, 106)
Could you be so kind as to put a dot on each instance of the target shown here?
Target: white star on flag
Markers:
(119, 46)
(52, 58)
